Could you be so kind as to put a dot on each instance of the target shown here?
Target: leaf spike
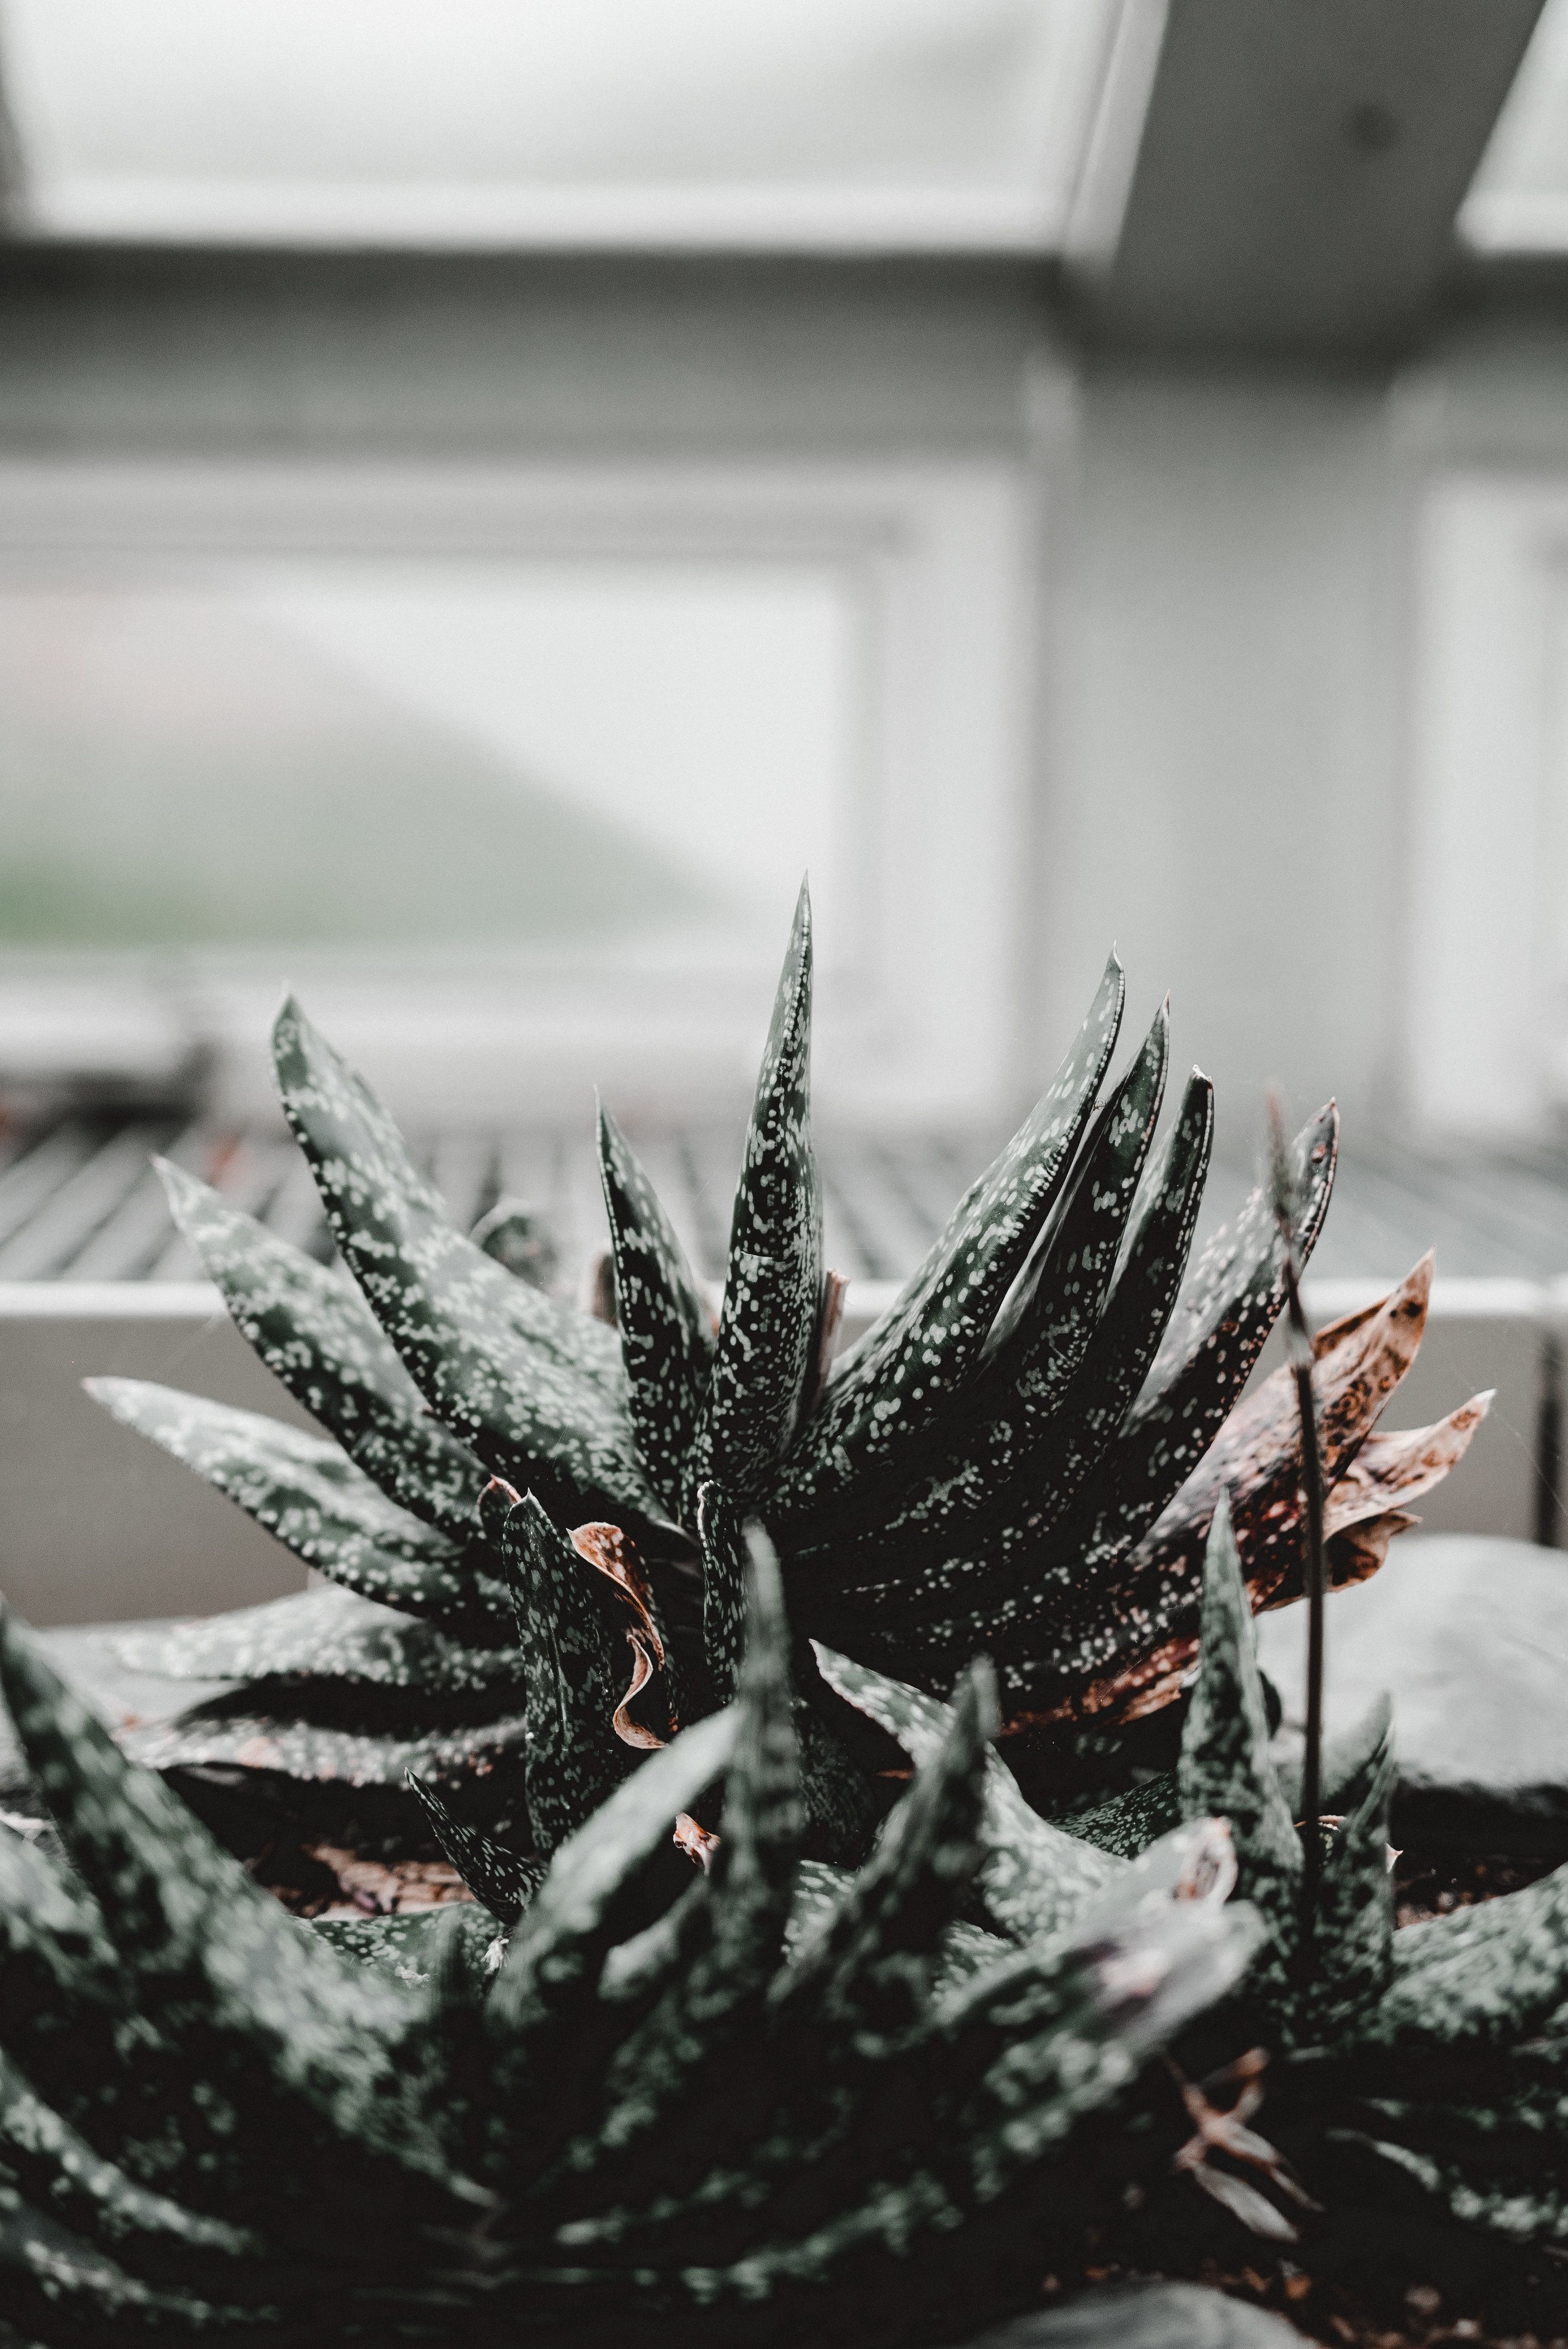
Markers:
(1299, 1344)
(763, 1368)
(666, 1340)
(1226, 1768)
(503, 1881)
(763, 1818)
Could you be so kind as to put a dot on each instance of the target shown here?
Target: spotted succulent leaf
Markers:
(733, 1937)
(1226, 1766)
(970, 1588)
(765, 1357)
(725, 1548)
(313, 1331)
(535, 1388)
(322, 1635)
(575, 1666)
(666, 1338)
(308, 1492)
(889, 1389)
(307, 2051)
(1034, 1877)
(230, 1733)
(1353, 1931)
(993, 1434)
(505, 1881)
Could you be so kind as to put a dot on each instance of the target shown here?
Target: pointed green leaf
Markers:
(1017, 1615)
(888, 1390)
(1039, 1337)
(724, 1550)
(293, 2039)
(1226, 1769)
(773, 1273)
(322, 1635)
(307, 1493)
(1035, 1876)
(318, 1336)
(1048, 1400)
(230, 1733)
(573, 1917)
(535, 1387)
(714, 2003)
(666, 1339)
(1353, 1935)
(577, 1665)
(504, 1881)
(856, 1969)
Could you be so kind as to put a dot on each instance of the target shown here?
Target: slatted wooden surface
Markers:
(81, 1203)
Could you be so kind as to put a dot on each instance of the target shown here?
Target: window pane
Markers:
(567, 758)
(556, 120)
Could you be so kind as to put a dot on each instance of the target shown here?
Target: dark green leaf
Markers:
(219, 1736)
(315, 1333)
(307, 2046)
(577, 1666)
(888, 1390)
(765, 1355)
(724, 1550)
(535, 1387)
(1226, 1768)
(1012, 1571)
(307, 1493)
(666, 1337)
(322, 1635)
(504, 1881)
(1035, 1876)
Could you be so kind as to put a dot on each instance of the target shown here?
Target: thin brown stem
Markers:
(1299, 1340)
(1312, 1491)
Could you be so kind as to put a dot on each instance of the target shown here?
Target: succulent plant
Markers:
(1022, 1456)
(770, 2101)
(1417, 2084)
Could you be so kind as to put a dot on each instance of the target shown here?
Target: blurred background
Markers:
(490, 493)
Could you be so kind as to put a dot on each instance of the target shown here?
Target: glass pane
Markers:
(1520, 200)
(521, 121)
(624, 759)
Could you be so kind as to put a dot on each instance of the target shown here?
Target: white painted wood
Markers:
(95, 1524)
(1489, 835)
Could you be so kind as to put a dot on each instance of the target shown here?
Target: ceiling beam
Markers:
(1300, 167)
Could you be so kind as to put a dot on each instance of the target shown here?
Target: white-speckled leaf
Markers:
(666, 1339)
(773, 1272)
(1036, 1877)
(1023, 1403)
(213, 1736)
(325, 1635)
(315, 1333)
(888, 1390)
(308, 1492)
(502, 1880)
(535, 1387)
(1011, 1571)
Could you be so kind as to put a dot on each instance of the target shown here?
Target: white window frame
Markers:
(921, 1013)
(1488, 1010)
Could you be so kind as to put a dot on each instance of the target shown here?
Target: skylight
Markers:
(937, 124)
(1519, 202)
